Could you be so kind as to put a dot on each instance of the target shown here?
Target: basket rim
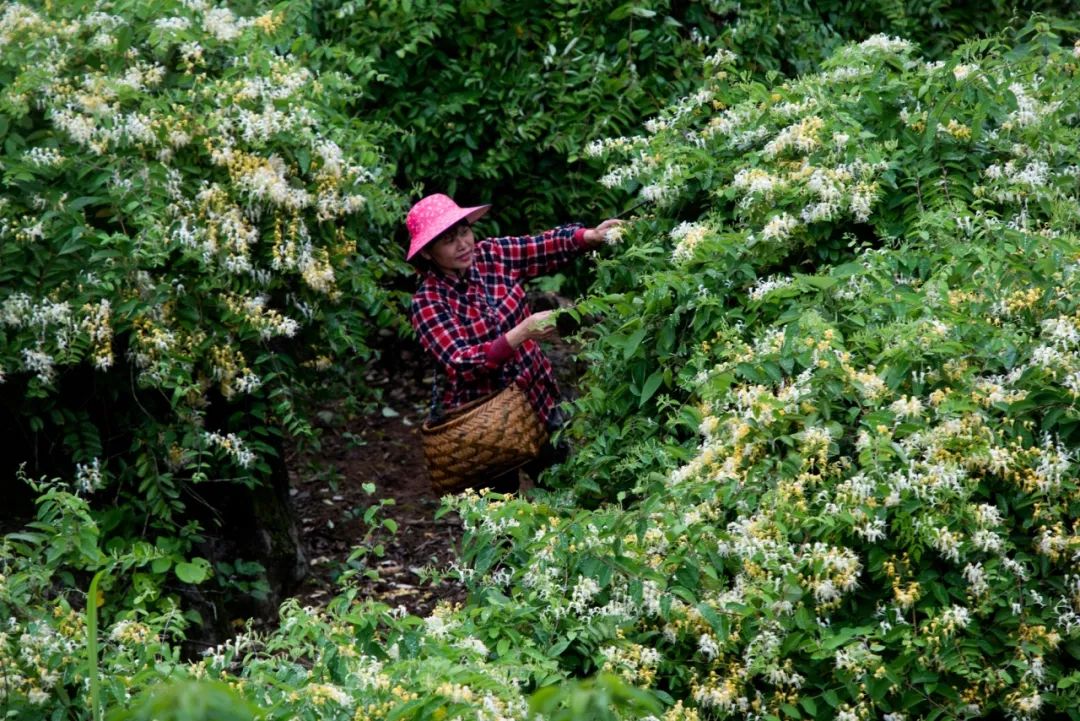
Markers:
(457, 415)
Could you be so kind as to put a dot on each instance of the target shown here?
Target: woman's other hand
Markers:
(595, 236)
(538, 326)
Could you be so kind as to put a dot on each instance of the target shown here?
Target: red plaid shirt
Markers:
(463, 320)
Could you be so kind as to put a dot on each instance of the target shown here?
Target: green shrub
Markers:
(188, 220)
(857, 282)
(190, 701)
(756, 187)
(795, 37)
(494, 101)
(45, 663)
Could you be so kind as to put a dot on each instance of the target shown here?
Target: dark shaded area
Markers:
(41, 432)
(252, 540)
(89, 415)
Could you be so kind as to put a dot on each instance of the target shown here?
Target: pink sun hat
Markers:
(434, 214)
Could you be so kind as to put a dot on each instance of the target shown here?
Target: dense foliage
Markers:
(860, 280)
(795, 37)
(493, 101)
(825, 461)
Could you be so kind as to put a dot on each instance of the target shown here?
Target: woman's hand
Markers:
(595, 236)
(538, 326)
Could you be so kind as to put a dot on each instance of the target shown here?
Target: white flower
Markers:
(987, 541)
(861, 202)
(39, 362)
(873, 530)
(233, 446)
(322, 691)
(723, 57)
(614, 234)
(767, 285)
(585, 589)
(222, 24)
(818, 211)
(473, 645)
(88, 477)
(955, 617)
(191, 51)
(1014, 567)
(687, 237)
(962, 71)
(172, 24)
(987, 515)
(802, 136)
(708, 647)
(655, 125)
(1028, 706)
(976, 578)
(44, 157)
(884, 43)
(658, 193)
(947, 543)
(755, 181)
(1034, 174)
(907, 407)
(826, 591)
(779, 227)
(438, 627)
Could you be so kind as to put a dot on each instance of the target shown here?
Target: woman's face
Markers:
(453, 250)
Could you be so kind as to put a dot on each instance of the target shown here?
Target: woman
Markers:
(470, 311)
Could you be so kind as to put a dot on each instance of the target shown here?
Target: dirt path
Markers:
(384, 450)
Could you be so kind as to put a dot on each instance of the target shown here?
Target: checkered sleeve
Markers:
(531, 255)
(442, 334)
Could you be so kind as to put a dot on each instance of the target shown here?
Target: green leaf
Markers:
(632, 343)
(652, 383)
(194, 571)
(1068, 681)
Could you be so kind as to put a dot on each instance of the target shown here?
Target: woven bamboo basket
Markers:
(482, 439)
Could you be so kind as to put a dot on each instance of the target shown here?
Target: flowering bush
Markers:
(758, 189)
(187, 225)
(856, 284)
(498, 100)
(828, 440)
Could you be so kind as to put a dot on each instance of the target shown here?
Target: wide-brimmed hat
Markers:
(433, 215)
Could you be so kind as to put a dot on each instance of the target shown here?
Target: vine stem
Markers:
(92, 646)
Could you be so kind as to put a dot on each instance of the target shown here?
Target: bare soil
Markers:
(382, 449)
